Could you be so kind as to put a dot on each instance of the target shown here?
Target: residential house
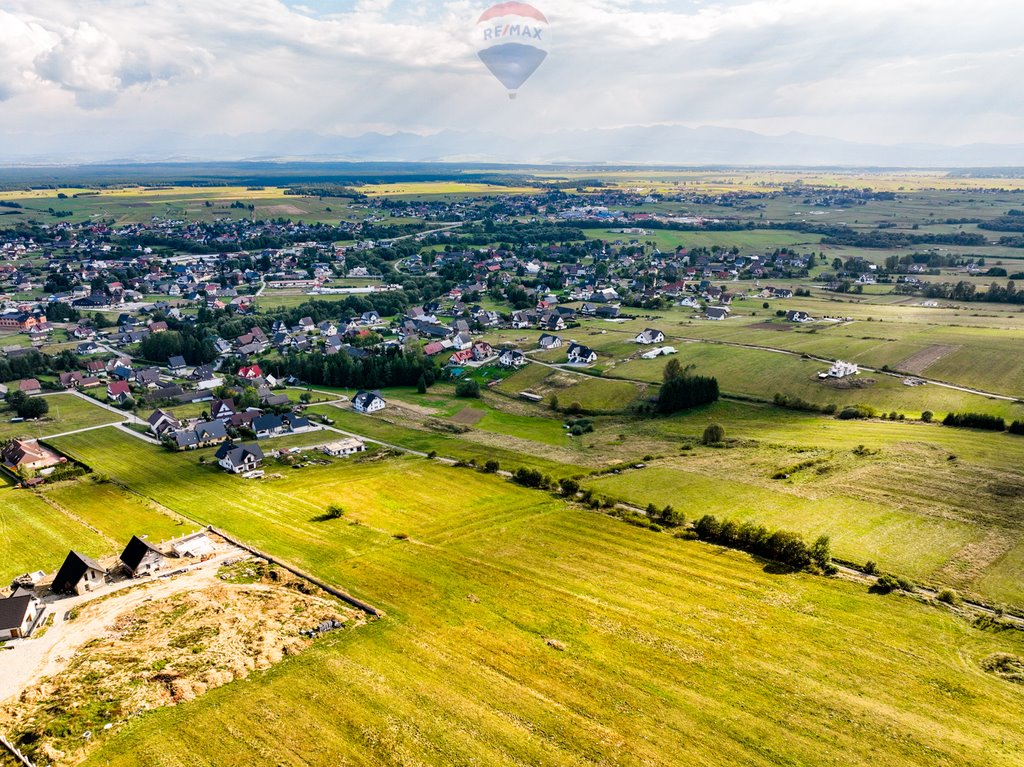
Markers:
(344, 448)
(368, 402)
(581, 355)
(160, 422)
(28, 454)
(650, 336)
(141, 558)
(795, 315)
(512, 358)
(78, 575)
(30, 387)
(119, 392)
(550, 342)
(239, 459)
(249, 372)
(717, 313)
(176, 365)
(19, 614)
(221, 409)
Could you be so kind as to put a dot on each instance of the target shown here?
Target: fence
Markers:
(19, 757)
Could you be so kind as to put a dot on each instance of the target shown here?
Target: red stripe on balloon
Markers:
(513, 9)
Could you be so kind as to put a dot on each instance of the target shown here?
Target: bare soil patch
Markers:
(469, 416)
(282, 210)
(850, 382)
(167, 651)
(924, 359)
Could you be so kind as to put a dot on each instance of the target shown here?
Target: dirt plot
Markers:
(169, 650)
(924, 359)
(469, 416)
(850, 382)
(282, 210)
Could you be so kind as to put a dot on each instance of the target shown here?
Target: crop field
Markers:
(67, 413)
(138, 205)
(441, 189)
(544, 634)
(593, 394)
(755, 240)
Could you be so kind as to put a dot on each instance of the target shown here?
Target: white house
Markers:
(19, 614)
(581, 355)
(550, 342)
(841, 370)
(650, 336)
(239, 459)
(717, 313)
(368, 402)
(512, 358)
(344, 448)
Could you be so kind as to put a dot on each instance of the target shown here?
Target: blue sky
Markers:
(882, 71)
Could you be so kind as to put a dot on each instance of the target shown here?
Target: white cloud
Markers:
(875, 70)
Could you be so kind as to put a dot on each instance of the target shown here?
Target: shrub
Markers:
(32, 407)
(569, 487)
(491, 467)
(870, 567)
(1017, 427)
(949, 597)
(852, 412)
(713, 434)
(468, 388)
(334, 511)
(886, 584)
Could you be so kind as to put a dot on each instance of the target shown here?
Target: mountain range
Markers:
(661, 145)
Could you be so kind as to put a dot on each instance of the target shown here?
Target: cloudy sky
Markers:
(879, 71)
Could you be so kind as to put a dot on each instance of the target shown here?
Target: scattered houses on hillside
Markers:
(581, 355)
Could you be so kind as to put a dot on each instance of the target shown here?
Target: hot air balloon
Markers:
(513, 39)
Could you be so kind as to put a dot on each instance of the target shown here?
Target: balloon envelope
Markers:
(513, 39)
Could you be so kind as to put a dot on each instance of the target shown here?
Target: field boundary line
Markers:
(334, 591)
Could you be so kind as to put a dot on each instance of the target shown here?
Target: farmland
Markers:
(522, 620)
(524, 626)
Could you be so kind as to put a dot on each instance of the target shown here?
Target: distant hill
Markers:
(637, 145)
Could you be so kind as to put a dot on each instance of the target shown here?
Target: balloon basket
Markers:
(512, 96)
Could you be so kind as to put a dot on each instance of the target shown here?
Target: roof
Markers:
(236, 453)
(13, 609)
(136, 551)
(71, 572)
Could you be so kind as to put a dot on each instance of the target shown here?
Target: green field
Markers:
(660, 652)
(67, 413)
(36, 536)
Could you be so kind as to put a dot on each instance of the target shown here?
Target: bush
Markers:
(975, 421)
(713, 434)
(781, 545)
(927, 416)
(870, 567)
(852, 412)
(468, 388)
(886, 584)
(334, 511)
(491, 467)
(1017, 427)
(528, 478)
(949, 597)
(569, 487)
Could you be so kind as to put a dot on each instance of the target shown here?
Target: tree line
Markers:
(783, 546)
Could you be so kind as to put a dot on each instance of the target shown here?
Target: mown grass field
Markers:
(67, 413)
(36, 536)
(662, 651)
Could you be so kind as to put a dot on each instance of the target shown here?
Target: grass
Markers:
(36, 536)
(662, 651)
(901, 541)
(112, 511)
(67, 413)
